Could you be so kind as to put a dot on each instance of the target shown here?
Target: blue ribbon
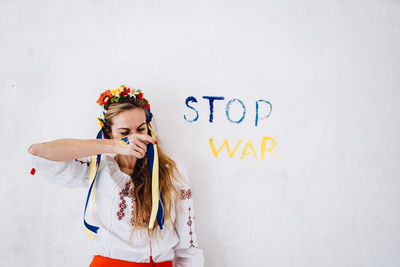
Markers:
(89, 226)
(160, 212)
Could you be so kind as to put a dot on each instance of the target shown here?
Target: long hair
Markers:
(141, 176)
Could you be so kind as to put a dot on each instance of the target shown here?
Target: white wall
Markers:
(330, 70)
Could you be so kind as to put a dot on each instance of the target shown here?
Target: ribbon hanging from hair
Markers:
(90, 230)
(157, 208)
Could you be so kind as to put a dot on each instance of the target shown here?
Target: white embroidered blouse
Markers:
(112, 209)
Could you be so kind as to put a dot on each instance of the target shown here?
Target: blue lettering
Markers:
(191, 99)
(211, 101)
(228, 107)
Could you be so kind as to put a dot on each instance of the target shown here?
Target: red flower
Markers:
(105, 97)
(140, 95)
(148, 106)
(126, 91)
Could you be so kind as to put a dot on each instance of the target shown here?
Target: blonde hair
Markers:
(141, 177)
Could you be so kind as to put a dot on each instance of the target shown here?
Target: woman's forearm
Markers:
(68, 149)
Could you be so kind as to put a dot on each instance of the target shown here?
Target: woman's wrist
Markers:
(114, 143)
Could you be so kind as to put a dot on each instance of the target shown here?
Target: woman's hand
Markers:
(136, 145)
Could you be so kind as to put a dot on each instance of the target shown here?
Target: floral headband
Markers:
(114, 95)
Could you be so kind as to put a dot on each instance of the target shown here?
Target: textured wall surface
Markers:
(328, 72)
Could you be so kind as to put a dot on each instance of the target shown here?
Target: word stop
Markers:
(191, 99)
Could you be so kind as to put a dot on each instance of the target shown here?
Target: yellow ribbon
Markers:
(93, 166)
(155, 184)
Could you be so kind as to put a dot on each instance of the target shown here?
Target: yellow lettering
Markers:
(264, 149)
(249, 144)
(225, 143)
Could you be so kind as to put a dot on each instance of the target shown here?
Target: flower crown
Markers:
(114, 95)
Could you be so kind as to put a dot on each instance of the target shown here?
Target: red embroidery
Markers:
(122, 205)
(186, 194)
(190, 227)
(83, 162)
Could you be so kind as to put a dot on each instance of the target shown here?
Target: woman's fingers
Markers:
(137, 154)
(140, 148)
(145, 138)
(141, 145)
(136, 144)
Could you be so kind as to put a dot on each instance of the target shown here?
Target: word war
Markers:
(245, 151)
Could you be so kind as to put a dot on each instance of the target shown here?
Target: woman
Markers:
(124, 205)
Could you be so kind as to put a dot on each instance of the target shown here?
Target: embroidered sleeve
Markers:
(187, 251)
(70, 174)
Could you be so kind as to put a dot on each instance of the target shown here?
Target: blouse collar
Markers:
(114, 167)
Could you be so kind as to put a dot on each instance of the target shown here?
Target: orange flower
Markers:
(100, 123)
(105, 97)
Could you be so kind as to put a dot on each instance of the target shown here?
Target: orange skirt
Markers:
(100, 261)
